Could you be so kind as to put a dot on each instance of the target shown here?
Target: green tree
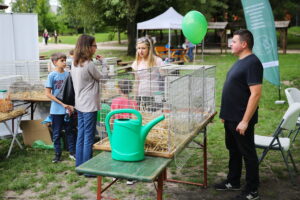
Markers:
(45, 18)
(24, 6)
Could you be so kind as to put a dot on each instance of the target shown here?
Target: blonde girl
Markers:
(147, 72)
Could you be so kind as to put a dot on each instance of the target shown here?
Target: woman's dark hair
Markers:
(245, 36)
(82, 51)
(125, 86)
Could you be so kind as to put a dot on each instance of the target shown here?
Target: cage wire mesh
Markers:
(22, 79)
(184, 94)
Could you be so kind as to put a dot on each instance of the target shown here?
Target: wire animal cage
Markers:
(23, 80)
(184, 94)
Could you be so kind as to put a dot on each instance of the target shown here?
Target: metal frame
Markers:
(158, 186)
(13, 132)
(203, 146)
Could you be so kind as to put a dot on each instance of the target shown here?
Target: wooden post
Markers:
(284, 40)
(99, 190)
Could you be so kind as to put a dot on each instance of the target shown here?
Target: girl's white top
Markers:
(147, 78)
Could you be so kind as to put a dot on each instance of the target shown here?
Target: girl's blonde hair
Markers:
(82, 51)
(151, 55)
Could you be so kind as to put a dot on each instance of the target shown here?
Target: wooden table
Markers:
(14, 130)
(151, 169)
(32, 104)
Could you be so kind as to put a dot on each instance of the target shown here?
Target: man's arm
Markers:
(251, 108)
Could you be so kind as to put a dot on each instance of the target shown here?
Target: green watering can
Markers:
(128, 138)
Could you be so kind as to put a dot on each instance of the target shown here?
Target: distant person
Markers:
(70, 60)
(55, 35)
(86, 81)
(147, 73)
(190, 49)
(50, 66)
(239, 113)
(58, 109)
(46, 36)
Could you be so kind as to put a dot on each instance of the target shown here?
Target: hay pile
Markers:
(160, 139)
(12, 114)
(29, 95)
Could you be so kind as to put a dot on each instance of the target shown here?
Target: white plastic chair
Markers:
(280, 142)
(293, 96)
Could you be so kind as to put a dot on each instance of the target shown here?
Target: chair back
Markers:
(290, 117)
(292, 95)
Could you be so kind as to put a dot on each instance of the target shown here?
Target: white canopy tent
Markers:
(19, 51)
(170, 20)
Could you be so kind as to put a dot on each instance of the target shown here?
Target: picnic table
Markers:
(151, 169)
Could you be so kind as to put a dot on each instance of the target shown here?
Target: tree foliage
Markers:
(24, 6)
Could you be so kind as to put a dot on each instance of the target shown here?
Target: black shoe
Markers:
(225, 185)
(57, 158)
(246, 195)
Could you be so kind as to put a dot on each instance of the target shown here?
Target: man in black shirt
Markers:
(239, 105)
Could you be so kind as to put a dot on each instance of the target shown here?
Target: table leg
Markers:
(31, 110)
(204, 158)
(99, 190)
(13, 132)
(160, 183)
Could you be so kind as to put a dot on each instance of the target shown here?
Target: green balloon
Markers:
(194, 26)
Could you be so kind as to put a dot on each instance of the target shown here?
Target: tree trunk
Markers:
(119, 36)
(131, 34)
(131, 25)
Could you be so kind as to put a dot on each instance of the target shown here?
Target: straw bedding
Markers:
(11, 114)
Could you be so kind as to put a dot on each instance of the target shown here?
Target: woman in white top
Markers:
(147, 73)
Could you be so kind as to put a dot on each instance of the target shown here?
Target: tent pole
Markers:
(169, 52)
(202, 46)
(194, 57)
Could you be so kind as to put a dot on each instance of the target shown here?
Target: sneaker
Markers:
(57, 158)
(246, 195)
(225, 185)
(130, 182)
(72, 156)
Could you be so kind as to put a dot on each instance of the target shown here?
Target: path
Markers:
(111, 45)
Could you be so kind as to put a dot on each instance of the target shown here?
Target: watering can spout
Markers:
(146, 129)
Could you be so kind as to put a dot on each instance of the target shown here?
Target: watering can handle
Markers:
(110, 114)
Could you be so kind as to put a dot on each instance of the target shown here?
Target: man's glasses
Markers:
(94, 45)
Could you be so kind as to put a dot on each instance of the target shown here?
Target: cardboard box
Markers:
(33, 130)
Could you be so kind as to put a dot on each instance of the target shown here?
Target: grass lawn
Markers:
(30, 173)
(292, 43)
(100, 37)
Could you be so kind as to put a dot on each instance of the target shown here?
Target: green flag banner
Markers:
(260, 22)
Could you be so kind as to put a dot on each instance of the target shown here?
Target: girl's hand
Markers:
(70, 109)
(99, 57)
